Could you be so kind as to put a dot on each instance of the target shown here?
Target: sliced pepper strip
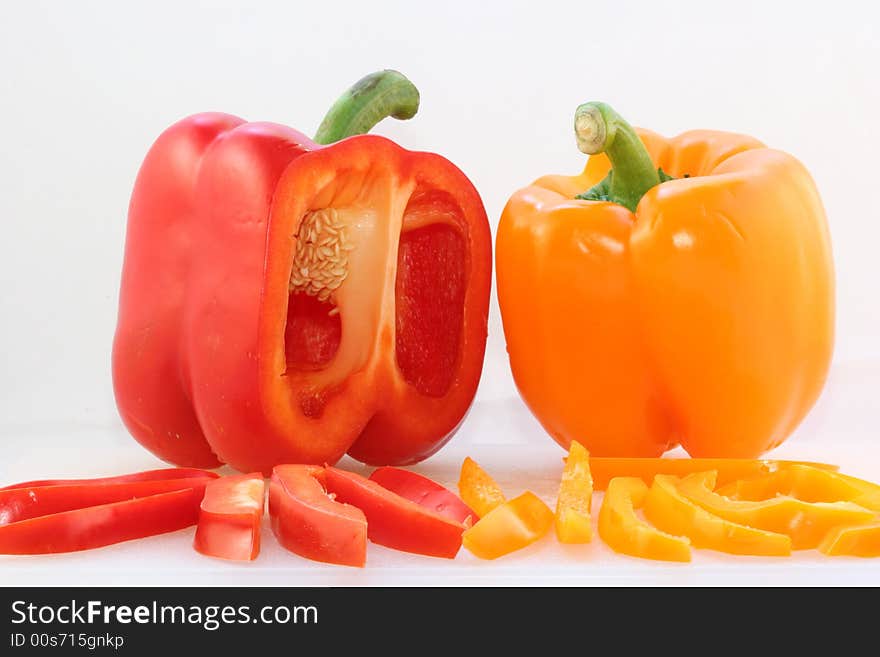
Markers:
(18, 504)
(147, 475)
(624, 532)
(604, 469)
(509, 527)
(394, 521)
(309, 522)
(424, 492)
(859, 541)
(105, 524)
(573, 520)
(230, 517)
(809, 484)
(669, 510)
(477, 488)
(806, 522)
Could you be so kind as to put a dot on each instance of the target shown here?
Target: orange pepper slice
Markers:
(809, 484)
(626, 533)
(667, 509)
(573, 520)
(604, 469)
(806, 522)
(860, 541)
(509, 527)
(477, 488)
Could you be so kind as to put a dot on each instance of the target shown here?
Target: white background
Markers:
(85, 87)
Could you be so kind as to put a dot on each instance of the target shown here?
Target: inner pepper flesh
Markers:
(375, 263)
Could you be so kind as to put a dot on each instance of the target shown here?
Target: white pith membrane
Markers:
(345, 253)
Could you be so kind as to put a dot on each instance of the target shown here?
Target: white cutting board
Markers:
(504, 438)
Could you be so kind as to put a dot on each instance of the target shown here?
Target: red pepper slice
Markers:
(310, 523)
(394, 521)
(97, 526)
(25, 502)
(230, 517)
(424, 492)
(147, 475)
(337, 292)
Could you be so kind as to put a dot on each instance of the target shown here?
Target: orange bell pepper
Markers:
(693, 304)
(667, 509)
(509, 527)
(604, 469)
(477, 488)
(573, 520)
(625, 532)
(860, 541)
(808, 484)
(806, 522)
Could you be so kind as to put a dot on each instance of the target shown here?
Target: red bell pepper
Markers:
(394, 521)
(230, 517)
(309, 522)
(424, 492)
(287, 301)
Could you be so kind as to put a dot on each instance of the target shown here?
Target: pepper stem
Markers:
(599, 129)
(368, 101)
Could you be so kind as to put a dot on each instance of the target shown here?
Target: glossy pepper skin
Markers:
(226, 351)
(696, 311)
(68, 515)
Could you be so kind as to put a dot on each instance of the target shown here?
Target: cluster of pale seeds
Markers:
(320, 263)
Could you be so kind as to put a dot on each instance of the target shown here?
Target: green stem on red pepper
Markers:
(599, 129)
(368, 101)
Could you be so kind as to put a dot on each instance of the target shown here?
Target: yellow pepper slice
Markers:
(860, 541)
(509, 527)
(477, 488)
(573, 520)
(604, 469)
(625, 532)
(808, 484)
(670, 511)
(806, 522)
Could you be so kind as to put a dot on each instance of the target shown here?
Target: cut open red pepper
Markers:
(288, 301)
(230, 517)
(424, 492)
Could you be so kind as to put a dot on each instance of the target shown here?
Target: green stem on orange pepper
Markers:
(599, 129)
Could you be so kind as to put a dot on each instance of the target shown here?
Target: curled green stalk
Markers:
(368, 101)
(599, 129)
